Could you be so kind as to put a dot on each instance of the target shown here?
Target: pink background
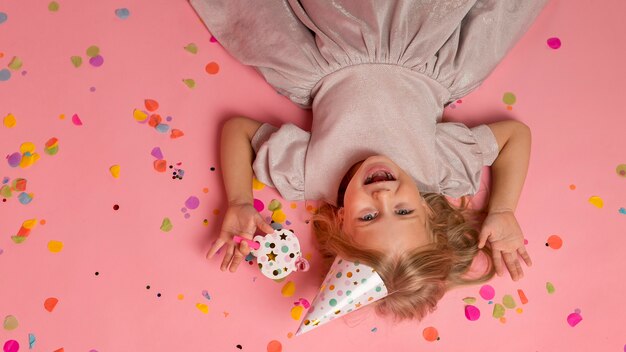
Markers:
(570, 97)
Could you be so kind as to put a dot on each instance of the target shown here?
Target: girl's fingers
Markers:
(244, 248)
(483, 238)
(216, 247)
(238, 256)
(497, 262)
(263, 226)
(511, 262)
(522, 252)
(228, 256)
(520, 273)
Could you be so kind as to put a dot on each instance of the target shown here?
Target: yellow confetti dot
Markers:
(115, 171)
(55, 246)
(293, 205)
(289, 289)
(257, 185)
(203, 307)
(597, 201)
(27, 147)
(62, 116)
(29, 224)
(9, 121)
(180, 296)
(279, 216)
(296, 312)
(519, 310)
(290, 335)
(139, 115)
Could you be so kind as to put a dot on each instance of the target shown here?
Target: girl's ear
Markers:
(340, 213)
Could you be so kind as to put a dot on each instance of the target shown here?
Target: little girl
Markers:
(377, 75)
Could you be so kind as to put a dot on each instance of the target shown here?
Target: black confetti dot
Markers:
(239, 347)
(148, 287)
(547, 245)
(116, 207)
(291, 255)
(171, 166)
(272, 245)
(97, 273)
(158, 295)
(173, 177)
(212, 168)
(4, 200)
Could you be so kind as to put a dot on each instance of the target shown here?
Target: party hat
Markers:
(348, 286)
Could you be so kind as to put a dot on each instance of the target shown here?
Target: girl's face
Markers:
(383, 208)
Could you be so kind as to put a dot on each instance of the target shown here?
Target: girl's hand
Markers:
(242, 220)
(506, 239)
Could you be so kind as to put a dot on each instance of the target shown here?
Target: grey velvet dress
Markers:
(377, 75)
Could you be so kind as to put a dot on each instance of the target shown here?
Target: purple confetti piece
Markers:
(156, 152)
(96, 61)
(192, 202)
(15, 159)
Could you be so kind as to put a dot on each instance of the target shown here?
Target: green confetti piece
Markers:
(508, 301)
(18, 239)
(16, 63)
(52, 151)
(274, 205)
(10, 322)
(469, 300)
(53, 6)
(5, 191)
(509, 98)
(192, 48)
(189, 82)
(76, 61)
(166, 225)
(93, 51)
(498, 311)
(550, 287)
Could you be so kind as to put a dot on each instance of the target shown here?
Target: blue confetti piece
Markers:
(163, 128)
(122, 13)
(622, 211)
(24, 198)
(206, 295)
(31, 341)
(5, 74)
(249, 257)
(3, 17)
(276, 226)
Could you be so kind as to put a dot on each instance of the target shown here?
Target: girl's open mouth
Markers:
(379, 174)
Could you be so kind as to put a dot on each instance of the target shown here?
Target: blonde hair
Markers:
(418, 278)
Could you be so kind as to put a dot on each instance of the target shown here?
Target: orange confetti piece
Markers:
(155, 119)
(176, 133)
(160, 165)
(522, 296)
(430, 334)
(151, 105)
(60, 350)
(212, 68)
(274, 346)
(50, 303)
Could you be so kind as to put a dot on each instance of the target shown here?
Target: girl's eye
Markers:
(404, 212)
(367, 217)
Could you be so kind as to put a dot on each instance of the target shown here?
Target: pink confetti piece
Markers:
(554, 42)
(76, 120)
(96, 61)
(573, 319)
(472, 313)
(192, 202)
(487, 292)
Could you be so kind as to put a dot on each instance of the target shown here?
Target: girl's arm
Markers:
(508, 175)
(511, 166)
(236, 157)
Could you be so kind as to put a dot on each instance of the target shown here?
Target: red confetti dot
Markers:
(212, 68)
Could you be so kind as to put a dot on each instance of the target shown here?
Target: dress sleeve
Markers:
(279, 160)
(462, 153)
